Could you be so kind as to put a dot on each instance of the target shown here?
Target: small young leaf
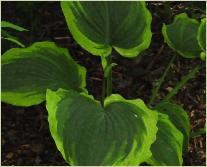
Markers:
(6, 24)
(178, 117)
(167, 149)
(99, 26)
(202, 34)
(28, 72)
(181, 36)
(85, 133)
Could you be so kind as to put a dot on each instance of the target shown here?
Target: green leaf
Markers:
(28, 72)
(108, 69)
(167, 149)
(99, 26)
(85, 133)
(181, 36)
(13, 40)
(6, 36)
(178, 117)
(202, 34)
(6, 24)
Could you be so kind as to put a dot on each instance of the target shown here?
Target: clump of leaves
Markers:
(185, 36)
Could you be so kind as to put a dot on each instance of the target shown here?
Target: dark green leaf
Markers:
(178, 117)
(28, 72)
(181, 36)
(6, 24)
(202, 34)
(167, 149)
(99, 26)
(85, 133)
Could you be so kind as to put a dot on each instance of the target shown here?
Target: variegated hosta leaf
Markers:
(85, 133)
(27, 73)
(181, 36)
(178, 117)
(167, 149)
(99, 26)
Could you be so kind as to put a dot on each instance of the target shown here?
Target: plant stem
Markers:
(107, 80)
(155, 58)
(182, 82)
(156, 87)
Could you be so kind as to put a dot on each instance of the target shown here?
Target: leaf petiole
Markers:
(156, 87)
(107, 80)
(182, 82)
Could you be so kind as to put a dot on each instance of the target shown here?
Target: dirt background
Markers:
(25, 137)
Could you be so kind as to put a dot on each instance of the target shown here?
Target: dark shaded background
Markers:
(25, 135)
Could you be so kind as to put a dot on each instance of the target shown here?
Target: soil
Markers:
(25, 136)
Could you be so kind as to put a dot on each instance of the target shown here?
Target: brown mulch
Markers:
(25, 136)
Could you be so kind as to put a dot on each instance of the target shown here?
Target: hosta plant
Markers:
(115, 131)
(186, 36)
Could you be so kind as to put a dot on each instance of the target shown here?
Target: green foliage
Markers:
(99, 26)
(28, 72)
(167, 149)
(6, 24)
(9, 37)
(14, 40)
(156, 87)
(181, 36)
(201, 36)
(178, 117)
(120, 133)
(192, 73)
